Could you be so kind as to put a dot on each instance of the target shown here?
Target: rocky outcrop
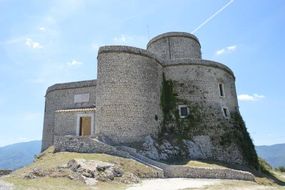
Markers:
(5, 172)
(184, 171)
(199, 147)
(150, 154)
(87, 171)
(163, 151)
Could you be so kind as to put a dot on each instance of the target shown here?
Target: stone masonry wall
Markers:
(211, 173)
(128, 94)
(66, 123)
(61, 96)
(196, 85)
(128, 98)
(174, 45)
(200, 83)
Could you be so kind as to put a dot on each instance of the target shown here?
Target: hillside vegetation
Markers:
(49, 160)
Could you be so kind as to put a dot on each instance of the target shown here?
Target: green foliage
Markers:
(172, 123)
(240, 136)
(264, 166)
(281, 169)
(178, 128)
(167, 99)
(190, 125)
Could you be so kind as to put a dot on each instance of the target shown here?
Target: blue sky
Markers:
(52, 41)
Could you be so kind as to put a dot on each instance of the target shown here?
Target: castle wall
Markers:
(128, 94)
(62, 96)
(128, 99)
(175, 45)
(67, 122)
(197, 81)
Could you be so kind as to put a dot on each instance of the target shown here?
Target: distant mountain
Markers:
(273, 154)
(18, 155)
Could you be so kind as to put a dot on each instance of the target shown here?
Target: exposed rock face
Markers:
(199, 147)
(150, 148)
(159, 151)
(87, 171)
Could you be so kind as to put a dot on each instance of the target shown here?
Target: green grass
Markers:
(50, 160)
(199, 164)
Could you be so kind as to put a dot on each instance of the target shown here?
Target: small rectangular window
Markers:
(183, 111)
(221, 88)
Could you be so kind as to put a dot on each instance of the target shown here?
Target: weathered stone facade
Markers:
(128, 94)
(128, 101)
(59, 97)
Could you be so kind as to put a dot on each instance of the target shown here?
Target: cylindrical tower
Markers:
(175, 45)
(202, 102)
(207, 84)
(128, 92)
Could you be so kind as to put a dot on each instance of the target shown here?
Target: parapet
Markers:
(202, 62)
(71, 85)
(128, 49)
(175, 45)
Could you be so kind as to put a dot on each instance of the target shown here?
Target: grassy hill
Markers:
(50, 161)
(273, 154)
(18, 155)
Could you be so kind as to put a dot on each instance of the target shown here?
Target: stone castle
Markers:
(138, 93)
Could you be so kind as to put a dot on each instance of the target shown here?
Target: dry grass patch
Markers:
(49, 160)
(198, 164)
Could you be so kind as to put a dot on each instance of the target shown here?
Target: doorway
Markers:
(85, 126)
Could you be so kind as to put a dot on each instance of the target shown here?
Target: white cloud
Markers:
(33, 44)
(228, 49)
(250, 98)
(131, 40)
(42, 28)
(122, 39)
(231, 48)
(74, 62)
(221, 51)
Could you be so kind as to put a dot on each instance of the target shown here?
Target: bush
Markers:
(281, 169)
(264, 166)
(244, 140)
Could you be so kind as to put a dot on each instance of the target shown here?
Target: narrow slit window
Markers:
(226, 112)
(221, 88)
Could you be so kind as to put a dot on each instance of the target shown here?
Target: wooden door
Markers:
(85, 126)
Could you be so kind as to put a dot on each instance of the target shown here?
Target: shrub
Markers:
(281, 169)
(264, 166)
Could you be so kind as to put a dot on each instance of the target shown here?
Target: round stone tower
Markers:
(207, 83)
(175, 45)
(204, 96)
(128, 94)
